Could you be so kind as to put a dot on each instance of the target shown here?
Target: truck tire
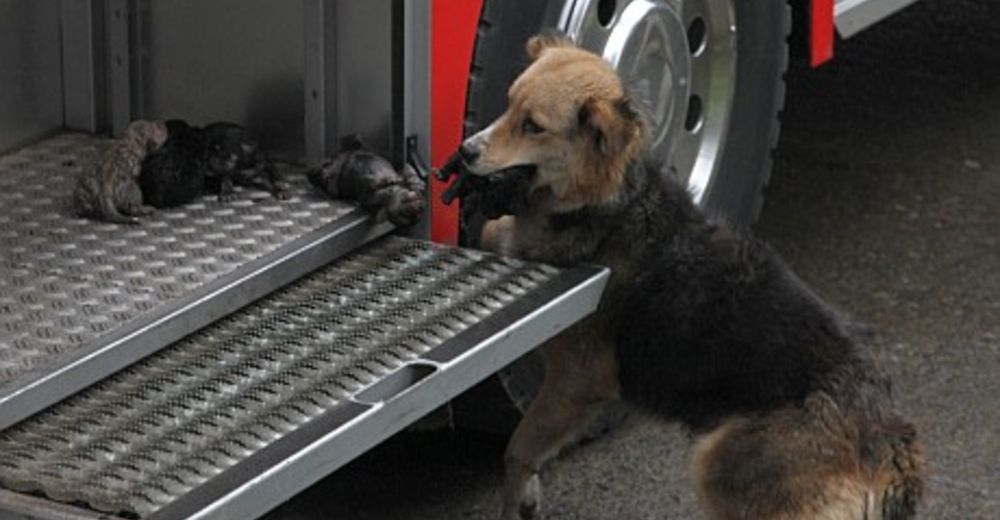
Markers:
(722, 120)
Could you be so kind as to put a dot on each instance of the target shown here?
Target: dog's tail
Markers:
(900, 469)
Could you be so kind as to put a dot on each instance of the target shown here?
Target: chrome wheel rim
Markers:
(677, 59)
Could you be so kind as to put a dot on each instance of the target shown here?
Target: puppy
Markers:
(111, 190)
(502, 193)
(697, 324)
(360, 175)
(174, 175)
(234, 157)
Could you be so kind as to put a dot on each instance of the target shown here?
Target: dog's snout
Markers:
(468, 152)
(473, 147)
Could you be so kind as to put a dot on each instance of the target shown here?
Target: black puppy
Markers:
(234, 157)
(360, 175)
(175, 174)
(504, 192)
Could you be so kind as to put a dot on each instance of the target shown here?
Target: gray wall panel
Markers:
(30, 71)
(364, 70)
(233, 60)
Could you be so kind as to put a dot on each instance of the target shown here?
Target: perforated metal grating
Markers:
(67, 281)
(152, 433)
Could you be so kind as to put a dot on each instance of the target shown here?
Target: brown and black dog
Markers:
(698, 324)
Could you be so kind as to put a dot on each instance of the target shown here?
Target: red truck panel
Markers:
(453, 37)
(821, 32)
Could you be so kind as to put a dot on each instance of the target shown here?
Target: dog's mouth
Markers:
(502, 192)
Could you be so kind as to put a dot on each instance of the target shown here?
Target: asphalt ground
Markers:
(885, 198)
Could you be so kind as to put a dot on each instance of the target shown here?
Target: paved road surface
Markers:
(886, 198)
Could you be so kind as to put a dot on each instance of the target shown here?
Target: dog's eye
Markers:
(529, 126)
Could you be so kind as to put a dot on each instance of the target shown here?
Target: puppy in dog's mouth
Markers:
(504, 192)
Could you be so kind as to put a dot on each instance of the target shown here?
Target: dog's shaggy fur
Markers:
(698, 324)
(174, 175)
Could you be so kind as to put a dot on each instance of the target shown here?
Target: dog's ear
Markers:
(611, 126)
(628, 110)
(545, 40)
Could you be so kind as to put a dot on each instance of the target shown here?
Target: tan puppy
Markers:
(697, 324)
(111, 190)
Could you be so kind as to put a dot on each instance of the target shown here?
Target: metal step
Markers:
(80, 299)
(238, 417)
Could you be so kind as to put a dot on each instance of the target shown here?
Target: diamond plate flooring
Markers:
(150, 434)
(66, 281)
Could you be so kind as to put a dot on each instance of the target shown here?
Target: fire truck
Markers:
(217, 358)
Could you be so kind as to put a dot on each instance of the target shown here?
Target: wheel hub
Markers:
(647, 46)
(677, 59)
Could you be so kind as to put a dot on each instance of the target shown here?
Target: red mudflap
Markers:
(453, 37)
(821, 32)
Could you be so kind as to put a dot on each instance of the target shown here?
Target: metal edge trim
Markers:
(854, 16)
(28, 394)
(315, 450)
(454, 351)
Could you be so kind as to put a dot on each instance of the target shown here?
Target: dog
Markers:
(110, 191)
(174, 175)
(358, 174)
(698, 324)
(235, 158)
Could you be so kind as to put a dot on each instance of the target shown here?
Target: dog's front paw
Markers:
(282, 191)
(406, 209)
(525, 503)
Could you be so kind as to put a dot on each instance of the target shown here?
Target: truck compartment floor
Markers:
(237, 417)
(81, 299)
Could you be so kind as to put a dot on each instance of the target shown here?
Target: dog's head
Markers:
(569, 117)
(146, 135)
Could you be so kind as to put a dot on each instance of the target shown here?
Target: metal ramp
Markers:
(236, 418)
(81, 299)
(180, 420)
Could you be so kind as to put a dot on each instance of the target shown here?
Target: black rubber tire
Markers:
(736, 191)
(762, 50)
(734, 194)
(498, 58)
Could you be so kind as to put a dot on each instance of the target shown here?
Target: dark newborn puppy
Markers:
(360, 175)
(504, 192)
(234, 157)
(175, 174)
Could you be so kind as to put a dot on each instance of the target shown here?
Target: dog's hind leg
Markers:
(108, 211)
(131, 201)
(227, 188)
(790, 464)
(272, 179)
(580, 376)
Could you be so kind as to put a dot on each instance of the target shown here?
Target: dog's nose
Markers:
(469, 154)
